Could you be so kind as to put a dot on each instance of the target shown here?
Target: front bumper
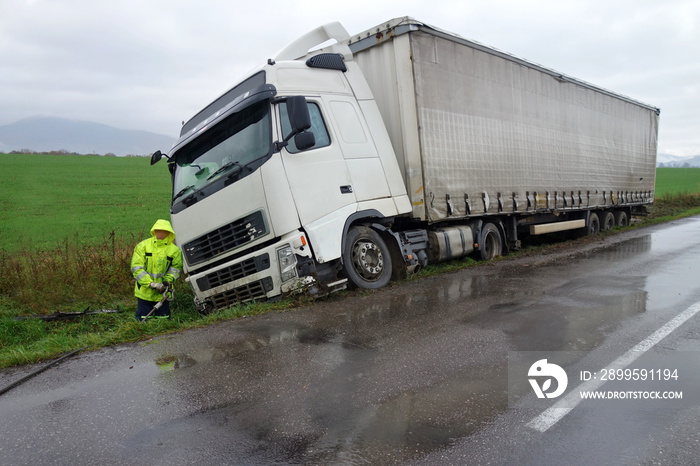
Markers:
(254, 276)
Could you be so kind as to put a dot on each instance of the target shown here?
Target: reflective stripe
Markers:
(173, 271)
(156, 317)
(138, 267)
(152, 275)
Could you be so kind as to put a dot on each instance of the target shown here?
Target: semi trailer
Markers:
(354, 160)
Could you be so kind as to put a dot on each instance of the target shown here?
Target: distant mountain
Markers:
(676, 161)
(45, 134)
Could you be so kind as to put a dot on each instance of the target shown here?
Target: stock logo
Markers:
(542, 371)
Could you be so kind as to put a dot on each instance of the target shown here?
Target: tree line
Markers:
(64, 152)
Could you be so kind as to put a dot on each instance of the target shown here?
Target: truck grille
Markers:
(249, 292)
(234, 272)
(226, 238)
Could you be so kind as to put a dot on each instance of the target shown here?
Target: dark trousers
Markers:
(143, 307)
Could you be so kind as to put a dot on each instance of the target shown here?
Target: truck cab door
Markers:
(362, 159)
(318, 177)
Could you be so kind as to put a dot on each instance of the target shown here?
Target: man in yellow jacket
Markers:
(156, 263)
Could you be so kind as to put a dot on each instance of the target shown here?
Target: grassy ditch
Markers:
(33, 340)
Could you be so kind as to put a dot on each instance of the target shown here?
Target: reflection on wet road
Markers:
(379, 378)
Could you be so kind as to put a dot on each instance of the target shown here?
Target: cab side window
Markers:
(318, 127)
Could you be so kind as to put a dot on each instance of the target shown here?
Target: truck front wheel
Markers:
(366, 258)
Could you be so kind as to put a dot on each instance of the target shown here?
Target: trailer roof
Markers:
(407, 24)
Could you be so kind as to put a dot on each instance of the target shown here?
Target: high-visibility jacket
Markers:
(157, 261)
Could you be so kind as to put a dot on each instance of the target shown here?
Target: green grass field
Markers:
(46, 200)
(677, 181)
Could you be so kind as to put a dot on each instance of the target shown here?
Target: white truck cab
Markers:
(266, 178)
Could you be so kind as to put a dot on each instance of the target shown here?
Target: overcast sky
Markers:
(150, 64)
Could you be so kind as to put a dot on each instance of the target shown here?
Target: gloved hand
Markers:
(159, 287)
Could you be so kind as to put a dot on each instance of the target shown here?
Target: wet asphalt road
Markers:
(425, 372)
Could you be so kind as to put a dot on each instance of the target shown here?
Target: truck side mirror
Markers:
(156, 156)
(304, 141)
(298, 114)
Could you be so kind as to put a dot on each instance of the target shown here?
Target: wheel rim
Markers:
(367, 259)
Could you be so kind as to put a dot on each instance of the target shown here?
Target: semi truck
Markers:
(355, 160)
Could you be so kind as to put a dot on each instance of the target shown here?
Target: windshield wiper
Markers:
(183, 191)
(223, 168)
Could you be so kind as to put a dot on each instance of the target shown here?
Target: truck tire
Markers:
(608, 221)
(621, 219)
(366, 258)
(593, 227)
(491, 244)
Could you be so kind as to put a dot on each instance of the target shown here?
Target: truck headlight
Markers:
(287, 262)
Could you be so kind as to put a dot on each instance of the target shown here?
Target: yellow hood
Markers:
(166, 226)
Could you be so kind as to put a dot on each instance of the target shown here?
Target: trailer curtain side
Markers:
(478, 132)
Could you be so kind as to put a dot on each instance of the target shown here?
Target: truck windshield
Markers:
(229, 151)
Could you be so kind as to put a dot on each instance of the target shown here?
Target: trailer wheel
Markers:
(608, 222)
(621, 219)
(491, 245)
(593, 226)
(366, 258)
